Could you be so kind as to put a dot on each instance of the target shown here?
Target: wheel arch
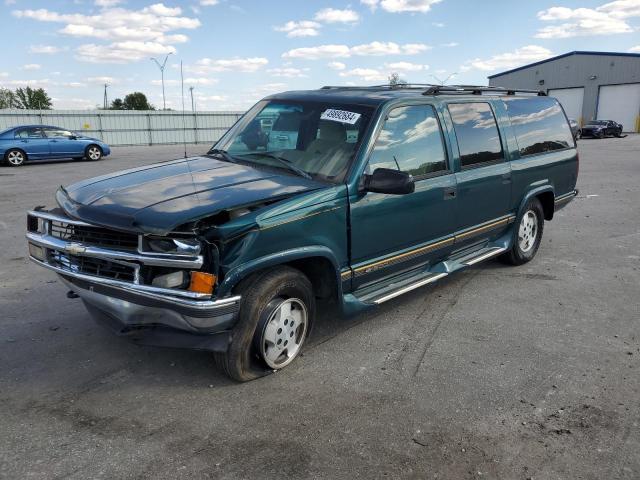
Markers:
(6, 152)
(545, 195)
(318, 263)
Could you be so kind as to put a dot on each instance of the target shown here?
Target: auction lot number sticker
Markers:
(341, 116)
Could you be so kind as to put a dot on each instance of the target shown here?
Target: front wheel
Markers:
(277, 311)
(527, 235)
(15, 157)
(93, 152)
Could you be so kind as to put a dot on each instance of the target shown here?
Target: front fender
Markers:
(242, 271)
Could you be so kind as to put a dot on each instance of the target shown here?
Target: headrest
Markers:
(331, 131)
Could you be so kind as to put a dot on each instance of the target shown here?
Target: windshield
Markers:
(311, 139)
(597, 122)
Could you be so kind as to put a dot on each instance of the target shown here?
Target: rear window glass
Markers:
(539, 124)
(476, 132)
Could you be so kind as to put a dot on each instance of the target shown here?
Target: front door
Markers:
(63, 143)
(484, 177)
(32, 141)
(394, 233)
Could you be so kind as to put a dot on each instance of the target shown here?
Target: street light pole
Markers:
(161, 67)
(192, 105)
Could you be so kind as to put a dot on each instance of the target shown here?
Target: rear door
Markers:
(484, 174)
(394, 233)
(62, 143)
(32, 141)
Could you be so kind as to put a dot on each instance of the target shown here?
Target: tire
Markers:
(93, 153)
(15, 157)
(618, 134)
(527, 234)
(601, 134)
(251, 353)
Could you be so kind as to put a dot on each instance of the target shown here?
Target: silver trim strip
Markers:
(492, 253)
(193, 299)
(83, 250)
(58, 218)
(408, 288)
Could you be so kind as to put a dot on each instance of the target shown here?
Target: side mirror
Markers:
(73, 137)
(386, 180)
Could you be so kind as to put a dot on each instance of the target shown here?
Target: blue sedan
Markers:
(37, 142)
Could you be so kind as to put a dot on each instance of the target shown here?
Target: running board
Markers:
(484, 255)
(408, 288)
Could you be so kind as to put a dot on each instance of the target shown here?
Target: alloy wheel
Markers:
(528, 231)
(94, 153)
(284, 333)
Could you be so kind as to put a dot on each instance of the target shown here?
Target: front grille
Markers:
(93, 266)
(97, 236)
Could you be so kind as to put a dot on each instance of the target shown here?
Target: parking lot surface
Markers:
(497, 372)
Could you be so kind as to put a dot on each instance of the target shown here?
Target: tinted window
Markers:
(56, 133)
(540, 125)
(411, 141)
(29, 133)
(477, 133)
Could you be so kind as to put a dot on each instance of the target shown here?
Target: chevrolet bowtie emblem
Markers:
(75, 248)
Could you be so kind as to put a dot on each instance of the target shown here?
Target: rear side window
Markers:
(28, 133)
(476, 132)
(540, 125)
(410, 141)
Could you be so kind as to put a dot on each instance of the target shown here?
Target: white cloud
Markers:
(102, 80)
(304, 28)
(336, 65)
(31, 66)
(246, 65)
(4, 74)
(450, 44)
(406, 67)
(635, 49)
(208, 3)
(107, 3)
(332, 15)
(288, 72)
(398, 6)
(520, 56)
(148, 27)
(321, 51)
(368, 49)
(188, 82)
(45, 49)
(366, 74)
(43, 82)
(73, 85)
(438, 24)
(606, 19)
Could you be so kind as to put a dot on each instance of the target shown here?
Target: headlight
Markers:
(182, 246)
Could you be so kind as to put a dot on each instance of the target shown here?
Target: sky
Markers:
(235, 52)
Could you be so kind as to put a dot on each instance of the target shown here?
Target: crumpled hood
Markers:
(158, 198)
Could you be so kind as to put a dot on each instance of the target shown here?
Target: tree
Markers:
(137, 101)
(117, 104)
(395, 80)
(7, 98)
(32, 99)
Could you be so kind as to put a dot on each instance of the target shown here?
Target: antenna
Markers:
(184, 126)
(106, 100)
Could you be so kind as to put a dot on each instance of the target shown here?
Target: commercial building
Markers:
(589, 85)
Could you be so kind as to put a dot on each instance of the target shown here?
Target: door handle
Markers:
(450, 193)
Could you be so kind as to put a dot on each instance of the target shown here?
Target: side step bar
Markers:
(491, 252)
(408, 288)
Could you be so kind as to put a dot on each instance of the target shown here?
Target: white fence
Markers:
(130, 127)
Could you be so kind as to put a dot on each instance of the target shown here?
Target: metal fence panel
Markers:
(130, 127)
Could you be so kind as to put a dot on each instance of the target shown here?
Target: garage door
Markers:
(571, 100)
(622, 104)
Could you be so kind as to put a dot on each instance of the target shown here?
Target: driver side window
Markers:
(410, 141)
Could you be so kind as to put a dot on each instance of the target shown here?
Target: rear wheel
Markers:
(277, 311)
(600, 134)
(15, 157)
(93, 152)
(527, 235)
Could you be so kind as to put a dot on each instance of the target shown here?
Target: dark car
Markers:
(358, 195)
(601, 129)
(39, 142)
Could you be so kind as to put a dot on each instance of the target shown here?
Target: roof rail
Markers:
(477, 90)
(399, 86)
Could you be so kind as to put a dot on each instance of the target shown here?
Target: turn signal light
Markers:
(202, 282)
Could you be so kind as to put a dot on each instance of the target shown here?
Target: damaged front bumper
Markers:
(149, 314)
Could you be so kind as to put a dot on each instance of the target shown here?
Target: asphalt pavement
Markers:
(496, 372)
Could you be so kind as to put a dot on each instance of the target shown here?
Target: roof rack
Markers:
(477, 90)
(400, 86)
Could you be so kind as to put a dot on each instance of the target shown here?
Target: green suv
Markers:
(351, 195)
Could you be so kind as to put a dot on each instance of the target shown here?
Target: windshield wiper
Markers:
(283, 161)
(222, 153)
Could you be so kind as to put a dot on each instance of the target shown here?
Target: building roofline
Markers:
(575, 52)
